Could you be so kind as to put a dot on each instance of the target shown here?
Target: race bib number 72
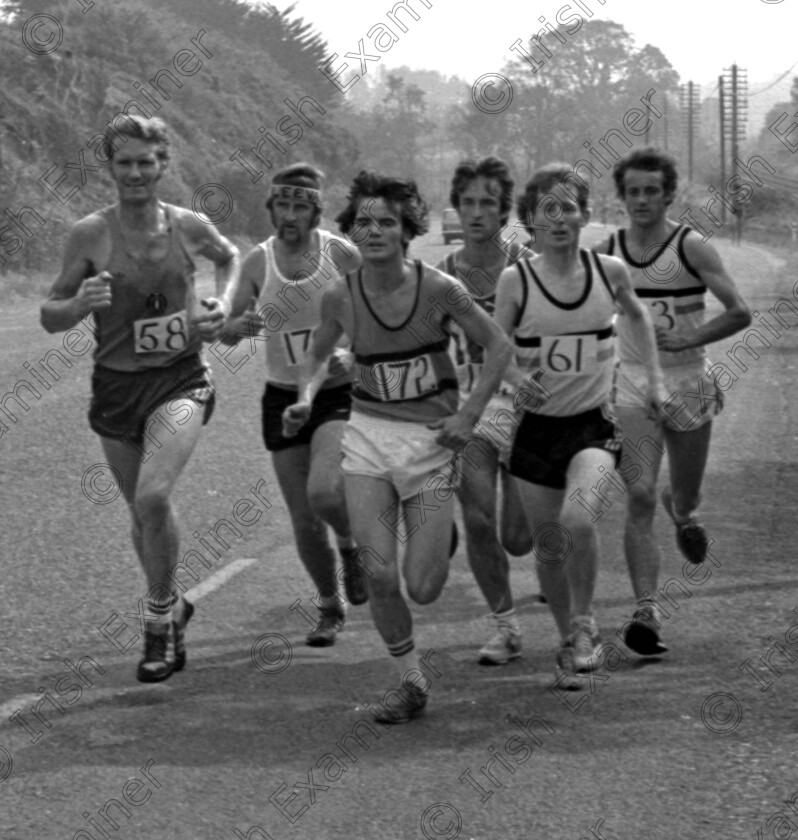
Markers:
(168, 334)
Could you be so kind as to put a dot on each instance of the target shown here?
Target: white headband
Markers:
(296, 193)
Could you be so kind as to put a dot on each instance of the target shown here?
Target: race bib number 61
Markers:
(568, 354)
(168, 334)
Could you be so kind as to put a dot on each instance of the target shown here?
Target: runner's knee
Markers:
(642, 503)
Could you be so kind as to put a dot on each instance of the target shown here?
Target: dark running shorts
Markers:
(123, 401)
(544, 446)
(330, 404)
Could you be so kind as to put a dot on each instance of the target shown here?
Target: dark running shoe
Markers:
(642, 632)
(690, 535)
(354, 577)
(158, 661)
(413, 703)
(324, 634)
(180, 641)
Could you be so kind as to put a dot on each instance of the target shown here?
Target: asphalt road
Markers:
(256, 738)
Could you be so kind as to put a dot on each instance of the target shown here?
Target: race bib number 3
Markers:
(662, 314)
(168, 334)
(406, 380)
(568, 354)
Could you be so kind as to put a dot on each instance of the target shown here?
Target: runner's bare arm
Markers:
(76, 291)
(736, 316)
(206, 241)
(508, 308)
(243, 319)
(479, 328)
(641, 327)
(313, 370)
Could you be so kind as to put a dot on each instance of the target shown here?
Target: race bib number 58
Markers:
(168, 334)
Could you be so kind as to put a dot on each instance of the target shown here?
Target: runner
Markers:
(132, 266)
(672, 268)
(404, 421)
(559, 308)
(482, 195)
(288, 274)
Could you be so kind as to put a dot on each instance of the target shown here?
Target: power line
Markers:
(772, 84)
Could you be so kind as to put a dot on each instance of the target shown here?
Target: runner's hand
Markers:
(209, 321)
(671, 341)
(341, 363)
(246, 325)
(454, 432)
(95, 292)
(655, 398)
(294, 418)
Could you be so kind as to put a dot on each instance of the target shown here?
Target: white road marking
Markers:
(219, 578)
(24, 701)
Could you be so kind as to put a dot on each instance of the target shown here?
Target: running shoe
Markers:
(585, 642)
(354, 577)
(412, 704)
(158, 661)
(324, 634)
(642, 632)
(564, 669)
(503, 647)
(180, 642)
(690, 535)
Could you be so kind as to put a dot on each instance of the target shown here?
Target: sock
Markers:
(405, 659)
(161, 610)
(588, 622)
(331, 603)
(507, 621)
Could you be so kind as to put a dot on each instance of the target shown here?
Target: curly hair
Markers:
(401, 194)
(490, 168)
(648, 160)
(544, 181)
(134, 127)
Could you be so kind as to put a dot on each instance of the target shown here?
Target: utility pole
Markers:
(737, 110)
(690, 98)
(722, 124)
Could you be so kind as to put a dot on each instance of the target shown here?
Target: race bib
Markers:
(405, 380)
(568, 354)
(167, 334)
(296, 344)
(662, 312)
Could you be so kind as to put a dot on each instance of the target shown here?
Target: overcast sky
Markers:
(699, 37)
